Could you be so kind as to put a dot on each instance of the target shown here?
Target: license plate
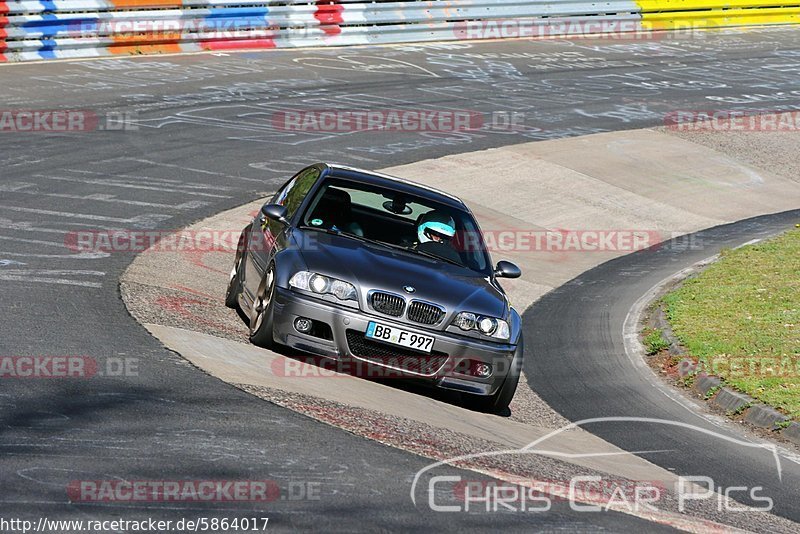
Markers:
(397, 336)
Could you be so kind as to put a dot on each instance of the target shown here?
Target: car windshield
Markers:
(398, 220)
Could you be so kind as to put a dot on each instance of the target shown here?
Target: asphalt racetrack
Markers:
(583, 371)
(180, 138)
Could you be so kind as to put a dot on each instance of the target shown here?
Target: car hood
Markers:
(369, 266)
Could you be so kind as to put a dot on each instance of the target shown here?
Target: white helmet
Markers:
(436, 224)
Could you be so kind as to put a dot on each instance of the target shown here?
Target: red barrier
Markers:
(329, 15)
(124, 4)
(3, 32)
(237, 44)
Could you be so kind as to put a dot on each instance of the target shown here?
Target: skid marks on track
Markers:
(41, 212)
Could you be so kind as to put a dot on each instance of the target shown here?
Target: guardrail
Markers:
(48, 29)
(679, 14)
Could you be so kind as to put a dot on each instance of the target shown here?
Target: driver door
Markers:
(268, 237)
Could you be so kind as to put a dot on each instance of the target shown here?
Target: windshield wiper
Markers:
(383, 244)
(431, 255)
(336, 231)
(408, 249)
(331, 231)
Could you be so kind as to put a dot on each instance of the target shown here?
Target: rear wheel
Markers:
(499, 402)
(262, 312)
(235, 281)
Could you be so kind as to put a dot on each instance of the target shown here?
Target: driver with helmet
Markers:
(435, 233)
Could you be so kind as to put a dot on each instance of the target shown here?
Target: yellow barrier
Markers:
(694, 14)
(697, 5)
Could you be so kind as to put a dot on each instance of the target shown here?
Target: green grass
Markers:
(654, 341)
(741, 318)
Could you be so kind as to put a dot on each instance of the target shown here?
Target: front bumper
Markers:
(445, 367)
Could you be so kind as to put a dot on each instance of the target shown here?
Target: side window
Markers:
(279, 197)
(293, 194)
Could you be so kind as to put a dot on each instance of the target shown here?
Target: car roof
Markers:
(398, 184)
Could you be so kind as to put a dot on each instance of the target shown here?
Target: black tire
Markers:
(235, 282)
(499, 402)
(262, 313)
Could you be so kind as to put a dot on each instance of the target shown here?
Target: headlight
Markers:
(319, 283)
(343, 290)
(465, 321)
(322, 285)
(488, 326)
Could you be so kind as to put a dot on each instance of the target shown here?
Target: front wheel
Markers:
(262, 312)
(499, 402)
(235, 281)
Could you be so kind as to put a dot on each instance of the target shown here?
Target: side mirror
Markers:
(506, 269)
(276, 212)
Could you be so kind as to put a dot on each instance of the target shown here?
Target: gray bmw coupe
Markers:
(361, 267)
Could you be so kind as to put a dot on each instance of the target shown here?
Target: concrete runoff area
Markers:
(650, 181)
(252, 365)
